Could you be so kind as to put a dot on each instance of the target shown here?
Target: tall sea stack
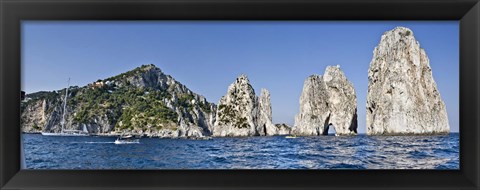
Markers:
(241, 113)
(264, 120)
(237, 110)
(327, 101)
(403, 98)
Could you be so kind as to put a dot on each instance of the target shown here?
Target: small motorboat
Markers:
(128, 139)
(291, 136)
(200, 138)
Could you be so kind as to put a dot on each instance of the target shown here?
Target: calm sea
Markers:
(278, 152)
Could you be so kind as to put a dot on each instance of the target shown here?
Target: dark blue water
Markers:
(322, 152)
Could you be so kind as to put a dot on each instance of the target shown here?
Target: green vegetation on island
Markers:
(117, 102)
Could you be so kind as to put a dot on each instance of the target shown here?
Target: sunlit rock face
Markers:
(264, 123)
(193, 115)
(36, 115)
(282, 129)
(313, 107)
(241, 113)
(327, 100)
(342, 101)
(237, 111)
(402, 96)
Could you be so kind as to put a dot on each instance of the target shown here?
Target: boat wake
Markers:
(91, 142)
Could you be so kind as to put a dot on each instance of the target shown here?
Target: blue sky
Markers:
(207, 56)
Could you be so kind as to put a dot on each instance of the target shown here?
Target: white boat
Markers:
(291, 136)
(129, 139)
(200, 138)
(63, 132)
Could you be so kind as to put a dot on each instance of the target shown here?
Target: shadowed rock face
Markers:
(327, 100)
(402, 96)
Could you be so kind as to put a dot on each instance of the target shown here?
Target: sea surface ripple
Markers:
(278, 152)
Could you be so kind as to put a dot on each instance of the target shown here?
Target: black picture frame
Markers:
(12, 12)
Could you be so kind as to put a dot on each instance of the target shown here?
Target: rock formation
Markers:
(327, 100)
(402, 96)
(282, 129)
(241, 113)
(237, 110)
(37, 117)
(145, 101)
(142, 101)
(264, 120)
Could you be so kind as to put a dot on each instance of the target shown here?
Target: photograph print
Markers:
(298, 95)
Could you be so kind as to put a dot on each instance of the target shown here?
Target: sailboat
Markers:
(64, 132)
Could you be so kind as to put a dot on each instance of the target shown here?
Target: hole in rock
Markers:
(329, 130)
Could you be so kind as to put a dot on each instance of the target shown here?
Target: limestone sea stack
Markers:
(403, 98)
(265, 125)
(327, 100)
(241, 113)
(264, 120)
(237, 110)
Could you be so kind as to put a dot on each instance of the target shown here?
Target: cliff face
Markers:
(141, 101)
(241, 113)
(282, 129)
(264, 123)
(342, 101)
(237, 110)
(145, 101)
(402, 96)
(36, 114)
(313, 107)
(195, 115)
(327, 101)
